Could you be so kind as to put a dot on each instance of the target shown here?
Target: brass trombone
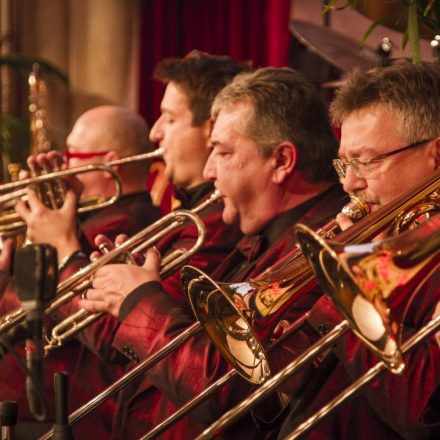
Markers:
(348, 274)
(421, 199)
(240, 317)
(11, 223)
(356, 208)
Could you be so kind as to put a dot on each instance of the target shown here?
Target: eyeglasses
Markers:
(68, 154)
(363, 168)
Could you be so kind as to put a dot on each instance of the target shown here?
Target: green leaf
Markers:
(26, 61)
(369, 30)
(428, 7)
(405, 39)
(413, 32)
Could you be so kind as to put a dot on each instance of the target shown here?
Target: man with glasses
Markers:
(390, 143)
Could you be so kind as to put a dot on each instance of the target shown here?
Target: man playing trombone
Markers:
(390, 143)
(271, 148)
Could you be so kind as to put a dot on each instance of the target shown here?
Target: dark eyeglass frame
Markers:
(341, 165)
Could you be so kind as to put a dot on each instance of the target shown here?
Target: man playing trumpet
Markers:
(271, 148)
(182, 131)
(100, 134)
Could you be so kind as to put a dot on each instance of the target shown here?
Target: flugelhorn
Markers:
(79, 282)
(11, 223)
(137, 244)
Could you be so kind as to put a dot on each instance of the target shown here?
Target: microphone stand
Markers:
(36, 277)
(8, 418)
(61, 430)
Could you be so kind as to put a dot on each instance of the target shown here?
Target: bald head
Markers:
(118, 132)
(110, 128)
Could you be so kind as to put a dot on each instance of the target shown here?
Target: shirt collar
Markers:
(190, 197)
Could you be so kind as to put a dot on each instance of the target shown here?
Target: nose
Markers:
(209, 170)
(156, 132)
(352, 182)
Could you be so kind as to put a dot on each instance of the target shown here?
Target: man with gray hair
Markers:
(390, 143)
(271, 151)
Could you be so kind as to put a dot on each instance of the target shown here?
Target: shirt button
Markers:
(322, 329)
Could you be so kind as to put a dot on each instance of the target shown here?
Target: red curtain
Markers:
(255, 30)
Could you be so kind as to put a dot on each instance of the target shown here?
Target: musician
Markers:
(271, 148)
(183, 131)
(100, 134)
(390, 142)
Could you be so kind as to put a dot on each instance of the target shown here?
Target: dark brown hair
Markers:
(201, 76)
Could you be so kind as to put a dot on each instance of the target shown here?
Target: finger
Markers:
(44, 163)
(95, 255)
(24, 174)
(344, 221)
(93, 305)
(6, 255)
(55, 157)
(121, 238)
(152, 259)
(33, 164)
(22, 209)
(70, 202)
(99, 300)
(33, 201)
(102, 241)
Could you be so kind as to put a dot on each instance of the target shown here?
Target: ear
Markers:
(284, 159)
(206, 129)
(436, 152)
(110, 156)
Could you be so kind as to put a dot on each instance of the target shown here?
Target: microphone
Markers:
(36, 277)
(61, 430)
(8, 419)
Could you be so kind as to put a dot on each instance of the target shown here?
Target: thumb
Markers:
(70, 201)
(344, 221)
(152, 260)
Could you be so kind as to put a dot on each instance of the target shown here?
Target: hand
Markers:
(437, 313)
(112, 283)
(102, 241)
(344, 221)
(56, 227)
(49, 162)
(5, 264)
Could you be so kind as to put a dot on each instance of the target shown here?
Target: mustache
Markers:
(363, 197)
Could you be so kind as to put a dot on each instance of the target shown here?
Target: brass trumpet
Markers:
(137, 244)
(79, 281)
(11, 223)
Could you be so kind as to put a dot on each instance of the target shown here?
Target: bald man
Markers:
(107, 133)
(99, 135)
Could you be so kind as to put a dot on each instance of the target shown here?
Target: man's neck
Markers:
(302, 193)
